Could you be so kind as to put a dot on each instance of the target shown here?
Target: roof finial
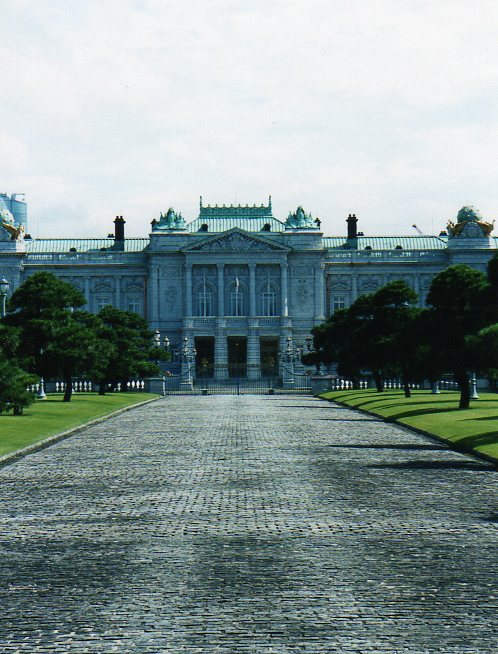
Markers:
(200, 201)
(269, 202)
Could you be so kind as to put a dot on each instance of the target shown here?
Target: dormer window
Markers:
(204, 227)
(266, 227)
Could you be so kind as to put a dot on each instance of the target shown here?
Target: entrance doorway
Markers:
(237, 357)
(268, 348)
(204, 358)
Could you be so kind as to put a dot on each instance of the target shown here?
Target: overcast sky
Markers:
(385, 108)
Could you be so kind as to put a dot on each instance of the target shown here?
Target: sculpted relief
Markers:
(236, 242)
(170, 297)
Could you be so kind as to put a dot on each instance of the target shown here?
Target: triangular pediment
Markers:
(236, 240)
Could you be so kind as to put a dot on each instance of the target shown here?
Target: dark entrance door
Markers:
(237, 357)
(204, 358)
(268, 348)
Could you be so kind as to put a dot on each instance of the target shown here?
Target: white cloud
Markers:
(381, 107)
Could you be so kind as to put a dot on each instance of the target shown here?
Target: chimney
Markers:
(119, 224)
(352, 226)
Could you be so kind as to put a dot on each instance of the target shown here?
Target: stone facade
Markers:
(236, 282)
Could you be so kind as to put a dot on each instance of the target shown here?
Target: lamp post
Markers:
(156, 340)
(4, 289)
(188, 354)
(289, 355)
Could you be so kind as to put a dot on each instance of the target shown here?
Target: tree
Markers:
(39, 308)
(458, 309)
(370, 335)
(13, 379)
(55, 339)
(131, 349)
(75, 349)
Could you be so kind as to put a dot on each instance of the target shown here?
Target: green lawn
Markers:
(51, 416)
(475, 428)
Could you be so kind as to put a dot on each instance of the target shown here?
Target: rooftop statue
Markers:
(470, 224)
(169, 220)
(9, 231)
(300, 220)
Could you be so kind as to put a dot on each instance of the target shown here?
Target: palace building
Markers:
(237, 282)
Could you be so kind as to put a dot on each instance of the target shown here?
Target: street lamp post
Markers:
(289, 355)
(4, 289)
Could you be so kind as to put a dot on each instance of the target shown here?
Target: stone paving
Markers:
(258, 525)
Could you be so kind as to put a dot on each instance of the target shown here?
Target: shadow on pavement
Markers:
(435, 465)
(395, 446)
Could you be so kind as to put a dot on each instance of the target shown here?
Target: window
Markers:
(268, 303)
(102, 301)
(338, 302)
(205, 303)
(134, 305)
(236, 302)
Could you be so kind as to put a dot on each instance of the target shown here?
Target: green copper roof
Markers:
(217, 224)
(389, 242)
(46, 245)
(216, 219)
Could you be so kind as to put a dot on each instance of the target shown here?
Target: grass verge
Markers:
(52, 416)
(474, 429)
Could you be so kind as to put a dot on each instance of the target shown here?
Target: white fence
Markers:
(84, 386)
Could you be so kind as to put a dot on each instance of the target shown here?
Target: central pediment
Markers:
(236, 240)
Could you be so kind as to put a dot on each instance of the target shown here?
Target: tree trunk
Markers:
(463, 382)
(406, 386)
(356, 383)
(17, 410)
(69, 389)
(102, 387)
(379, 382)
(124, 385)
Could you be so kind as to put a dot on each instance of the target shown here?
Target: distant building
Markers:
(236, 281)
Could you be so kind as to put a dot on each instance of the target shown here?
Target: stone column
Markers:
(284, 310)
(220, 350)
(354, 287)
(416, 288)
(252, 290)
(117, 293)
(188, 289)
(319, 293)
(154, 293)
(221, 290)
(253, 351)
(87, 294)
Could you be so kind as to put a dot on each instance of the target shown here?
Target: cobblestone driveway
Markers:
(248, 524)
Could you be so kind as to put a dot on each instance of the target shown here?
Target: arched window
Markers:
(236, 301)
(268, 300)
(205, 304)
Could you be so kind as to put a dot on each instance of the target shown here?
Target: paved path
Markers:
(248, 524)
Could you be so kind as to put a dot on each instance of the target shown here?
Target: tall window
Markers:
(338, 302)
(268, 303)
(204, 303)
(134, 305)
(102, 301)
(236, 302)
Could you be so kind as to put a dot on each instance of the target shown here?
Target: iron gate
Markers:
(188, 384)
